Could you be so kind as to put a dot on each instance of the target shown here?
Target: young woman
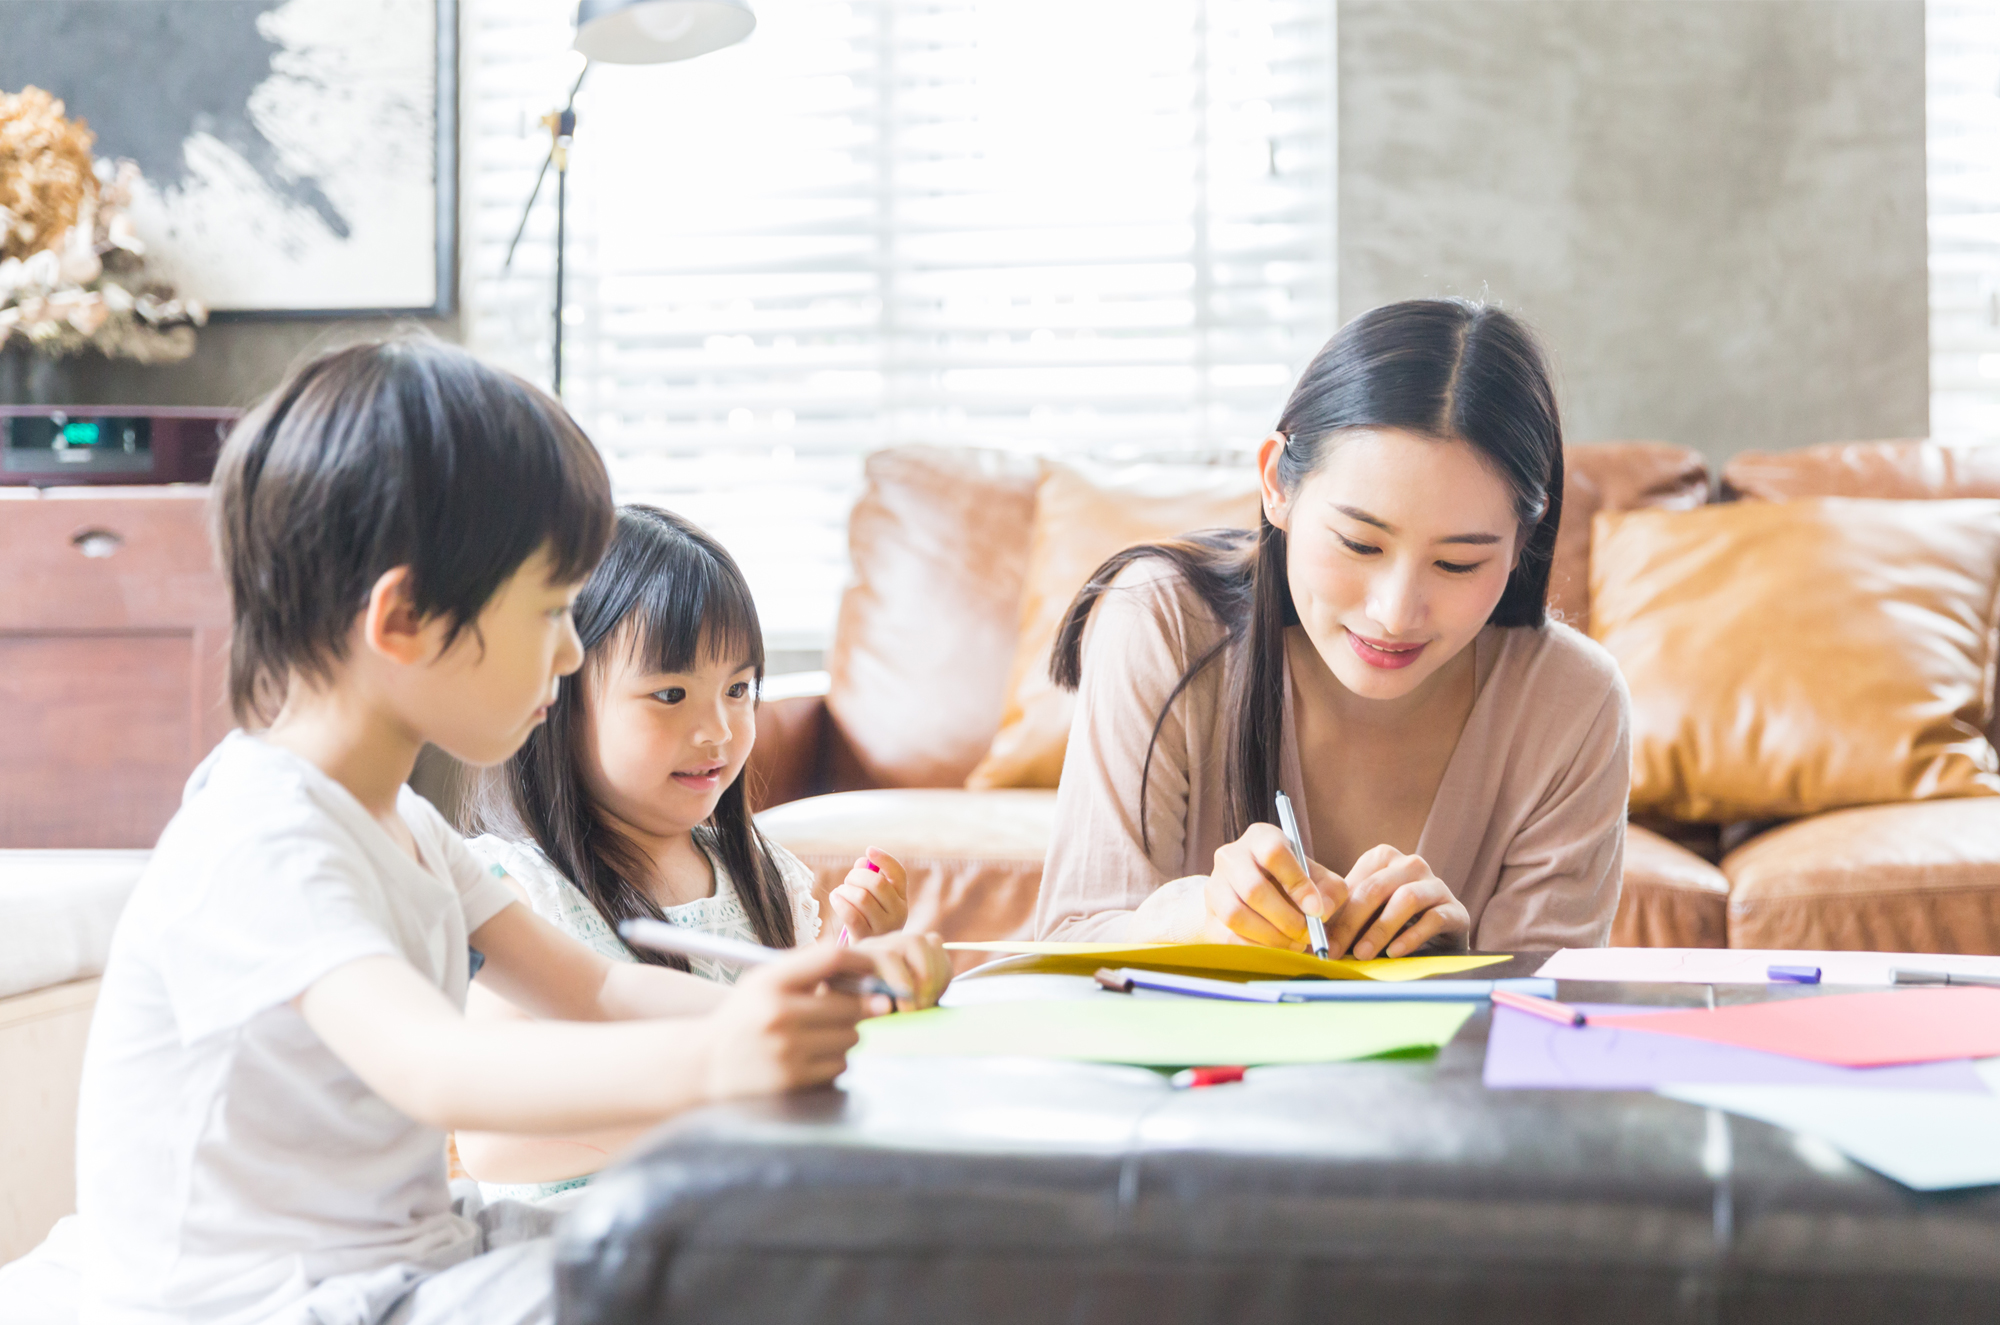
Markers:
(629, 800)
(1379, 650)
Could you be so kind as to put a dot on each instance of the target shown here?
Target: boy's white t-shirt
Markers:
(227, 1161)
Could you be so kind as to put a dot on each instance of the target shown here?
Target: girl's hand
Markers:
(1401, 889)
(872, 899)
(782, 1027)
(914, 965)
(1258, 894)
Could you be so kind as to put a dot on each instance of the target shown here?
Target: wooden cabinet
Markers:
(114, 639)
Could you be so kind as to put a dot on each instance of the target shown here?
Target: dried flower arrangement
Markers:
(72, 272)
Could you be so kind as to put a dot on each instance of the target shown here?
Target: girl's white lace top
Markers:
(563, 904)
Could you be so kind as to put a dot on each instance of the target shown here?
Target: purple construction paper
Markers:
(1524, 1052)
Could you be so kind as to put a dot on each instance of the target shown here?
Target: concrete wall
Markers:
(1713, 212)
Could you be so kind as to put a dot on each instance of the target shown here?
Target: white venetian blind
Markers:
(1962, 81)
(1100, 228)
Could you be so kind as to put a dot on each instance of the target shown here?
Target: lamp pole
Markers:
(561, 125)
(623, 32)
(562, 128)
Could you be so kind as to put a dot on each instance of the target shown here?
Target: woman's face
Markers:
(1398, 548)
(660, 748)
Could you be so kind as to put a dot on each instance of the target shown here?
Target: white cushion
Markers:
(57, 911)
(911, 823)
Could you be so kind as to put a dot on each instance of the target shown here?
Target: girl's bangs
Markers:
(695, 610)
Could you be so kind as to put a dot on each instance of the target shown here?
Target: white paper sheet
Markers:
(1929, 1141)
(1748, 966)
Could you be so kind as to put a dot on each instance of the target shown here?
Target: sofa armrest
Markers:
(789, 761)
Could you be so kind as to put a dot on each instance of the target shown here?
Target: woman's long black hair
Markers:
(671, 595)
(1444, 368)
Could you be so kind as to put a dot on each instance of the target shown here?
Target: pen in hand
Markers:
(663, 937)
(1315, 928)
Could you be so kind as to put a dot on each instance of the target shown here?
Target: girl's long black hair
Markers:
(1444, 368)
(672, 596)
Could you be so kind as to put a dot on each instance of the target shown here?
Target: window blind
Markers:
(1962, 113)
(1101, 230)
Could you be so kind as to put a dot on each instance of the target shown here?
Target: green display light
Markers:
(81, 432)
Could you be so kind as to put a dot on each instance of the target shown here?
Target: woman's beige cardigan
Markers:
(1528, 828)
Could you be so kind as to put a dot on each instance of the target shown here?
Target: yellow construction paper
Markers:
(1227, 959)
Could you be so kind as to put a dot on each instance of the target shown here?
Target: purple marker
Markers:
(1794, 975)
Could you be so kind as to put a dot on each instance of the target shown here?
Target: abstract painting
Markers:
(299, 155)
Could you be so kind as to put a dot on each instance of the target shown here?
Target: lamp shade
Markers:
(657, 31)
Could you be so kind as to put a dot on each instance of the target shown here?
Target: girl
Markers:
(629, 801)
(1379, 650)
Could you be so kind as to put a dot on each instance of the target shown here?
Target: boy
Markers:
(279, 1043)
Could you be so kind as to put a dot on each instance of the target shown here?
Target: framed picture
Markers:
(300, 156)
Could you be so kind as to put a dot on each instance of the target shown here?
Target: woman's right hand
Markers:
(1258, 894)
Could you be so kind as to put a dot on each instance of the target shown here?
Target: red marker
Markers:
(1206, 1076)
(1545, 1008)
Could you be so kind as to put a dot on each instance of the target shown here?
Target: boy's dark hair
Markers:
(671, 597)
(405, 452)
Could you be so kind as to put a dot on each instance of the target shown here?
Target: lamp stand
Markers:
(561, 125)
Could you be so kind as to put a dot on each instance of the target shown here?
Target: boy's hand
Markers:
(782, 1028)
(873, 898)
(914, 965)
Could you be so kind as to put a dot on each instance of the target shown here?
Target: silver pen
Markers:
(1289, 822)
(1909, 977)
(662, 937)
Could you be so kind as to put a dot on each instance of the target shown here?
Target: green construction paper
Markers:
(1149, 1032)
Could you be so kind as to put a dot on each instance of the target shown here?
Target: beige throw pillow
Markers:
(1080, 521)
(1786, 658)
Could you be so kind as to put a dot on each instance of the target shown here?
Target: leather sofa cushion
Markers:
(974, 857)
(1080, 521)
(920, 658)
(1786, 658)
(784, 763)
(1672, 898)
(1614, 476)
(1886, 878)
(1909, 470)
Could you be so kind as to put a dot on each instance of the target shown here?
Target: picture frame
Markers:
(300, 156)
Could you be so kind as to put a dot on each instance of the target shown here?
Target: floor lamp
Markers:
(624, 32)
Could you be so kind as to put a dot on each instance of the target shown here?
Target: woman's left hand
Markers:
(1393, 890)
(872, 899)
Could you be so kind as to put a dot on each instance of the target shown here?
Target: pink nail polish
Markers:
(872, 865)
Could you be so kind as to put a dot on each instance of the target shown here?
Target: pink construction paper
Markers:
(1849, 1030)
(1527, 1053)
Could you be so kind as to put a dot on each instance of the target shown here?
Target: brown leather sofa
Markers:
(926, 638)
